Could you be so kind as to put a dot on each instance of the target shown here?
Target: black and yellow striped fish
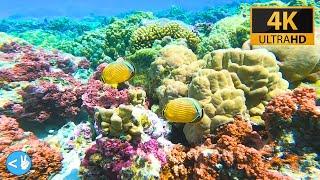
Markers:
(183, 110)
(117, 72)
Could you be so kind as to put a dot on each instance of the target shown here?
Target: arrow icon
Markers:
(12, 163)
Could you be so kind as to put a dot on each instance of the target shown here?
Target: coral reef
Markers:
(101, 95)
(256, 74)
(144, 36)
(72, 141)
(42, 100)
(130, 123)
(115, 159)
(236, 151)
(230, 32)
(119, 32)
(45, 161)
(175, 62)
(295, 111)
(294, 65)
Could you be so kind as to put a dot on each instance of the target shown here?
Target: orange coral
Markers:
(45, 161)
(296, 111)
(235, 151)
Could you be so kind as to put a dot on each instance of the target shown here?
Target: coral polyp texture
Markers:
(144, 37)
(45, 160)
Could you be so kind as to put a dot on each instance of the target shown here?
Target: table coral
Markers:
(45, 161)
(145, 36)
(129, 123)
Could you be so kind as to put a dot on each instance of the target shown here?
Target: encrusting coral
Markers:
(45, 161)
(145, 36)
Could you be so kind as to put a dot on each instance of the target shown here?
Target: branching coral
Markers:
(295, 111)
(26, 63)
(101, 95)
(145, 36)
(45, 161)
(233, 152)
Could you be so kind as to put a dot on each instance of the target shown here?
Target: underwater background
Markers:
(254, 110)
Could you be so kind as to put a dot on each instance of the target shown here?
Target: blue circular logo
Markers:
(18, 163)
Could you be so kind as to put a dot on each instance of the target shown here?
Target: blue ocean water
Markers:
(80, 8)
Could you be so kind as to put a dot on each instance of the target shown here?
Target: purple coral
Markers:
(152, 147)
(99, 94)
(107, 157)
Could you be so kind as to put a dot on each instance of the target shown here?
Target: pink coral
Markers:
(44, 100)
(45, 161)
(108, 157)
(32, 63)
(99, 94)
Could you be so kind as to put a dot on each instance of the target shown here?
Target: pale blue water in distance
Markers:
(81, 8)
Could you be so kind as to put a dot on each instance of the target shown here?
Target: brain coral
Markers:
(145, 36)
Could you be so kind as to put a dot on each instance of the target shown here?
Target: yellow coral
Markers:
(144, 36)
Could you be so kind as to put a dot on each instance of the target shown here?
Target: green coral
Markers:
(141, 60)
(145, 36)
(229, 32)
(89, 45)
(118, 33)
